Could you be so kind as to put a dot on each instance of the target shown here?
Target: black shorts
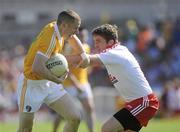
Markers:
(128, 121)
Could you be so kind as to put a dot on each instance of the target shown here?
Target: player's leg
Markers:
(25, 118)
(30, 97)
(121, 121)
(56, 123)
(56, 120)
(112, 125)
(86, 98)
(88, 106)
(65, 107)
(25, 122)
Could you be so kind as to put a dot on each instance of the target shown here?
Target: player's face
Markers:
(70, 29)
(99, 43)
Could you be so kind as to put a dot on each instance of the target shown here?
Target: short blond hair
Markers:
(68, 16)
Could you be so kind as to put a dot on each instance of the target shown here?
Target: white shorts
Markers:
(87, 93)
(33, 93)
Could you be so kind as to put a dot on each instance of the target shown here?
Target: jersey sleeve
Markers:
(46, 41)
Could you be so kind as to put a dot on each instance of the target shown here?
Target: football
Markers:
(57, 64)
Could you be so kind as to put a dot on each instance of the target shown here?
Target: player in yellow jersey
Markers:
(38, 85)
(77, 85)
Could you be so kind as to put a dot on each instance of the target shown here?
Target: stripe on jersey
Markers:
(23, 92)
(58, 34)
(51, 46)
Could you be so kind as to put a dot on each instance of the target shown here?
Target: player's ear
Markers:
(64, 24)
(110, 42)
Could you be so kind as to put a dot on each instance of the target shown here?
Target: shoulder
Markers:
(49, 27)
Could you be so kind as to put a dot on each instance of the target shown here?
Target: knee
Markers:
(76, 117)
(89, 108)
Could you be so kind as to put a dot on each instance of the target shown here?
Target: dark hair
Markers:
(107, 31)
(68, 16)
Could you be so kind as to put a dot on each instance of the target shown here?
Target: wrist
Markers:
(85, 60)
(85, 57)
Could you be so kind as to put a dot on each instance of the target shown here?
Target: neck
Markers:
(60, 32)
(110, 45)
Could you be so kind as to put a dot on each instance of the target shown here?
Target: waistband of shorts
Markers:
(149, 96)
(37, 81)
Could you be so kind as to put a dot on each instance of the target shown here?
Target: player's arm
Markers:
(75, 82)
(94, 60)
(76, 44)
(40, 68)
(79, 50)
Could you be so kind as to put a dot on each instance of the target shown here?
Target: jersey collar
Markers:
(112, 46)
(57, 33)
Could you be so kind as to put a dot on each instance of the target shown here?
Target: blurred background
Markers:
(149, 28)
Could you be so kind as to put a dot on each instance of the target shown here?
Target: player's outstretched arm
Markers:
(93, 60)
(39, 67)
(76, 44)
(79, 50)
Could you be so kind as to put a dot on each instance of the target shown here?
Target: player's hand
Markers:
(62, 78)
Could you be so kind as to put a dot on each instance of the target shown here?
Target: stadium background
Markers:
(149, 28)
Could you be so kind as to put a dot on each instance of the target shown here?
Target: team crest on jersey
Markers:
(28, 108)
(113, 79)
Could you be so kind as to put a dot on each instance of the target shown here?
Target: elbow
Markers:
(37, 71)
(34, 70)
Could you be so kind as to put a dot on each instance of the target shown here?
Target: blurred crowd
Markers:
(157, 48)
(155, 45)
(11, 65)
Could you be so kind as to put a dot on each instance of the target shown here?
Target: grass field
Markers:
(163, 125)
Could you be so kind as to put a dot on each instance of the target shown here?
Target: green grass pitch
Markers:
(156, 125)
